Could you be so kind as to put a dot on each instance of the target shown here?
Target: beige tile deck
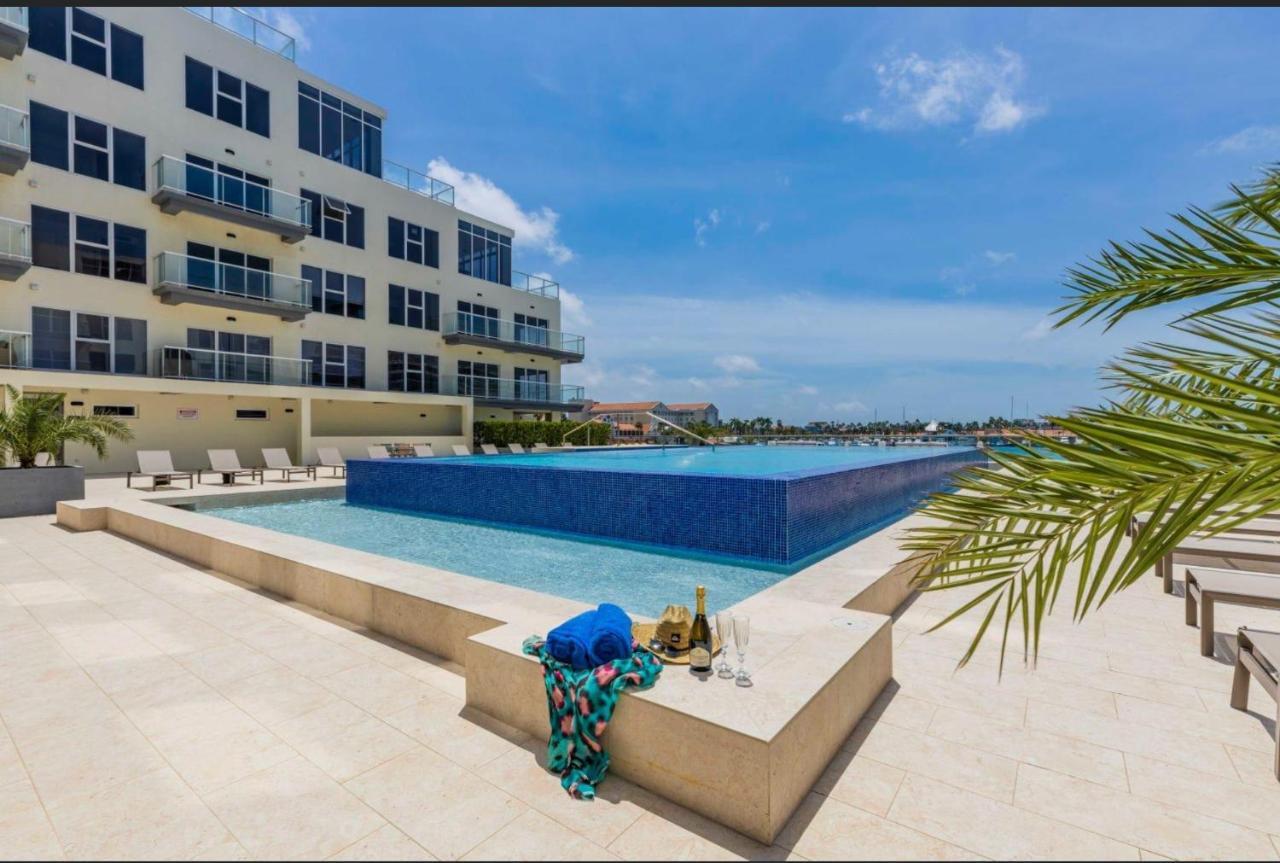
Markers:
(149, 708)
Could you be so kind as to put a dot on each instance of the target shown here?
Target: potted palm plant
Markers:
(33, 425)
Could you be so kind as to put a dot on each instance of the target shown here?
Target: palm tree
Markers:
(1192, 434)
(35, 424)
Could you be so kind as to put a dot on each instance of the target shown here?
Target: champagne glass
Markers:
(724, 629)
(741, 638)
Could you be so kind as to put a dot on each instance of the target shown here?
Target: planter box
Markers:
(37, 490)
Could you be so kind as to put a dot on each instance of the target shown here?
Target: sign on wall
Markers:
(188, 413)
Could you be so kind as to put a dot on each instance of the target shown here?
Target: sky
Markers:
(820, 214)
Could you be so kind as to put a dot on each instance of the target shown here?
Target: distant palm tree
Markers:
(1191, 436)
(34, 424)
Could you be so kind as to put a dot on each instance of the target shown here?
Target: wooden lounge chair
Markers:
(423, 450)
(330, 457)
(379, 451)
(227, 463)
(157, 464)
(539, 446)
(278, 459)
(1208, 587)
(1266, 525)
(1211, 550)
(516, 449)
(1258, 654)
(461, 449)
(488, 449)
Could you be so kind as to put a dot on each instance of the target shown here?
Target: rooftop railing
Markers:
(14, 16)
(15, 127)
(197, 181)
(185, 271)
(15, 240)
(200, 364)
(510, 332)
(15, 350)
(416, 181)
(246, 26)
(535, 284)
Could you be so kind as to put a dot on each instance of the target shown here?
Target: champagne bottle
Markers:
(700, 637)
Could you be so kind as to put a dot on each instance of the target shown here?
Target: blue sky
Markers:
(820, 214)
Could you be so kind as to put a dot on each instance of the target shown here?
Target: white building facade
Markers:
(204, 239)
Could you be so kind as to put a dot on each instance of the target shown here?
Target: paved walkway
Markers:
(152, 709)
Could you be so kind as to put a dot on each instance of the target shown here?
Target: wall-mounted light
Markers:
(76, 404)
(288, 410)
(229, 151)
(231, 235)
(231, 318)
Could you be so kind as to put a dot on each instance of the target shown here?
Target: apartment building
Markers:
(631, 421)
(202, 238)
(688, 413)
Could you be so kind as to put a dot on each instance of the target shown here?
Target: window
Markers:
(335, 365)
(90, 148)
(118, 411)
(228, 97)
(338, 130)
(88, 342)
(410, 307)
(94, 248)
(130, 248)
(413, 373)
(532, 385)
(410, 242)
(228, 272)
(227, 356)
(252, 414)
(478, 320)
(89, 41)
(477, 379)
(530, 330)
(335, 293)
(50, 238)
(228, 185)
(483, 253)
(335, 219)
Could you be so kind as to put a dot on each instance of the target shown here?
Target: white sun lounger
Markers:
(488, 449)
(278, 459)
(423, 450)
(516, 449)
(227, 463)
(378, 451)
(461, 449)
(157, 464)
(330, 457)
(540, 446)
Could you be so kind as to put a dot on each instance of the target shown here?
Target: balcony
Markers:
(418, 182)
(517, 395)
(184, 279)
(535, 285)
(13, 31)
(199, 364)
(462, 328)
(247, 27)
(183, 187)
(15, 140)
(15, 249)
(15, 350)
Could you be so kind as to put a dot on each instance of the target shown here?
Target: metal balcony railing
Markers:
(176, 176)
(511, 391)
(535, 339)
(535, 285)
(200, 364)
(245, 283)
(416, 181)
(15, 350)
(15, 240)
(15, 128)
(248, 27)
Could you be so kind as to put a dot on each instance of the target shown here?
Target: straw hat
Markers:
(672, 633)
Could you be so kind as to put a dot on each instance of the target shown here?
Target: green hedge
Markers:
(529, 432)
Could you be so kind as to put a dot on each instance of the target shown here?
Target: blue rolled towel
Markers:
(570, 642)
(610, 635)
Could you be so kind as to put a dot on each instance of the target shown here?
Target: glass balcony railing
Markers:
(199, 364)
(504, 390)
(535, 285)
(183, 271)
(15, 240)
(510, 332)
(248, 27)
(15, 350)
(416, 181)
(236, 194)
(15, 128)
(13, 16)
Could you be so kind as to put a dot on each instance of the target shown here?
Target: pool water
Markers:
(643, 582)
(754, 461)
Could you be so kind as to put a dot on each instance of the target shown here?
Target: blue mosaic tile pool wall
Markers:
(776, 520)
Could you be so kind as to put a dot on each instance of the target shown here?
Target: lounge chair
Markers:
(539, 446)
(1208, 587)
(330, 457)
(1208, 551)
(1258, 654)
(157, 464)
(516, 449)
(278, 459)
(1266, 525)
(423, 450)
(379, 451)
(488, 449)
(227, 463)
(460, 449)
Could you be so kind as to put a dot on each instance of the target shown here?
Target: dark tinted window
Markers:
(126, 56)
(88, 41)
(333, 295)
(51, 336)
(257, 110)
(315, 275)
(314, 199)
(92, 248)
(48, 30)
(199, 87)
(355, 297)
(395, 304)
(48, 135)
(355, 226)
(308, 122)
(395, 238)
(131, 254)
(51, 238)
(131, 346)
(314, 351)
(129, 155)
(433, 311)
(90, 151)
(230, 104)
(355, 367)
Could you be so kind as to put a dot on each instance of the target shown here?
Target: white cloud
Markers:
(573, 312)
(702, 226)
(964, 289)
(736, 364)
(1248, 140)
(761, 227)
(1040, 330)
(979, 90)
(808, 390)
(852, 406)
(478, 194)
(998, 258)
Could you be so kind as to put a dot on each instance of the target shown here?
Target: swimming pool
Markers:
(774, 505)
(641, 581)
